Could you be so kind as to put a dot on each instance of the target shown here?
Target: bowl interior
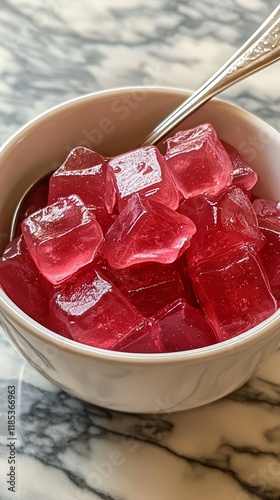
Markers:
(116, 121)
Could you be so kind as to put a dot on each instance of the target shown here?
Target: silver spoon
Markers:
(260, 50)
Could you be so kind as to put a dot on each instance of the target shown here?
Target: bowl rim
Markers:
(22, 320)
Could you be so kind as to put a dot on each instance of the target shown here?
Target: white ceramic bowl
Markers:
(113, 122)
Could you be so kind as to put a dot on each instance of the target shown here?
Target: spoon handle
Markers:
(260, 50)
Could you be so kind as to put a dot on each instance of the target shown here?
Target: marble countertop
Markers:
(68, 450)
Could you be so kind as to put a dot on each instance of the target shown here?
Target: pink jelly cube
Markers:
(198, 161)
(90, 309)
(234, 292)
(146, 231)
(243, 175)
(268, 213)
(23, 282)
(143, 340)
(142, 171)
(83, 173)
(223, 223)
(189, 294)
(182, 327)
(149, 286)
(62, 237)
(104, 219)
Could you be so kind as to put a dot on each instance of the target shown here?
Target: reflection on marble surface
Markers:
(69, 450)
(66, 449)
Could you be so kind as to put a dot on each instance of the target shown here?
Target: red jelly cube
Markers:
(23, 282)
(147, 231)
(144, 340)
(83, 173)
(142, 171)
(243, 175)
(234, 292)
(189, 294)
(104, 219)
(198, 161)
(149, 286)
(182, 327)
(91, 310)
(268, 213)
(223, 223)
(62, 237)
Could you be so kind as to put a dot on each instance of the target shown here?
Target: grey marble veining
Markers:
(55, 50)
(71, 450)
(68, 450)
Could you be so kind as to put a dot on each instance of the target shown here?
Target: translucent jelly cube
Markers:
(142, 171)
(90, 309)
(62, 237)
(143, 340)
(146, 231)
(148, 286)
(223, 223)
(198, 161)
(189, 294)
(83, 173)
(234, 292)
(104, 219)
(182, 327)
(243, 175)
(268, 213)
(23, 282)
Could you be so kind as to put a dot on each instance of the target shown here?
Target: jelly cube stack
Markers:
(148, 253)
